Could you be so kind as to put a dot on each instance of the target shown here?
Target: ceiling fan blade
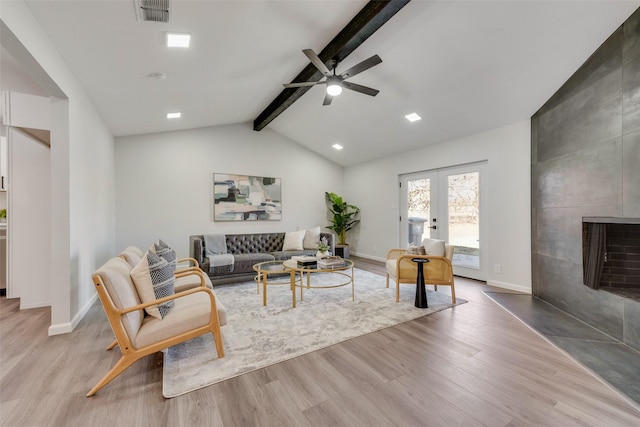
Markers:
(359, 88)
(327, 99)
(363, 66)
(315, 60)
(302, 84)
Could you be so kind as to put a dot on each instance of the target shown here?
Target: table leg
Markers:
(353, 284)
(292, 277)
(264, 289)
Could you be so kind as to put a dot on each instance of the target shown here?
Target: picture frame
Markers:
(238, 197)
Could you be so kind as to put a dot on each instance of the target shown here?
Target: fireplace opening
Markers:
(611, 255)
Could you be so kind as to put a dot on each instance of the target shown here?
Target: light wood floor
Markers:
(472, 365)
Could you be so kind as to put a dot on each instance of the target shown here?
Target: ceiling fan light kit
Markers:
(334, 88)
(335, 83)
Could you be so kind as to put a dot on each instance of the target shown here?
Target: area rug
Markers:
(257, 336)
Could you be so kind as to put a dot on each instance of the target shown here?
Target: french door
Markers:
(447, 204)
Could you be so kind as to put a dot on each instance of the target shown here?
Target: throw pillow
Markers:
(293, 240)
(311, 238)
(416, 250)
(153, 279)
(434, 247)
(166, 252)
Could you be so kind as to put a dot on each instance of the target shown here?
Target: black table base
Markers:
(421, 291)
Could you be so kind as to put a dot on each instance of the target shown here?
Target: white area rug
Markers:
(257, 336)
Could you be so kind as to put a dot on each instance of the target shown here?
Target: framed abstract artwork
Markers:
(246, 198)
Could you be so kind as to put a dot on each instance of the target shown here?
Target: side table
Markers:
(421, 291)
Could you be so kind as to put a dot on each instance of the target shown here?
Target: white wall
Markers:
(164, 182)
(82, 177)
(29, 220)
(373, 187)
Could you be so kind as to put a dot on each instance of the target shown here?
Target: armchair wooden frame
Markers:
(403, 264)
(130, 354)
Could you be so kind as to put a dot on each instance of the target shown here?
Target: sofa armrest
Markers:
(196, 248)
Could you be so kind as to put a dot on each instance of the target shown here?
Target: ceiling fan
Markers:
(334, 82)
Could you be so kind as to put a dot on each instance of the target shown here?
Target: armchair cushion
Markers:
(153, 279)
(190, 312)
(416, 250)
(434, 247)
(166, 252)
(117, 281)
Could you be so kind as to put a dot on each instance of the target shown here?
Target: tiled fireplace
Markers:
(585, 151)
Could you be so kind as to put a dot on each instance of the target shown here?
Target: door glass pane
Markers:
(419, 209)
(464, 218)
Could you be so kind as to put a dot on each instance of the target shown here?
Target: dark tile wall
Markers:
(585, 152)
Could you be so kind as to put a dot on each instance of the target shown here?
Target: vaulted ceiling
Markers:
(464, 66)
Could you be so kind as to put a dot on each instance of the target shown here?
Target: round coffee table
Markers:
(273, 268)
(340, 271)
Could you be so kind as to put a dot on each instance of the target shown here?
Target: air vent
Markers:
(152, 10)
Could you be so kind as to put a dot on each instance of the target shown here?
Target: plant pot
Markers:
(342, 251)
(324, 254)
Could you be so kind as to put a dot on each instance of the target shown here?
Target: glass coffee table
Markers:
(289, 273)
(273, 273)
(344, 274)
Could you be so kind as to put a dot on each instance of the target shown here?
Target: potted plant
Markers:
(323, 248)
(343, 219)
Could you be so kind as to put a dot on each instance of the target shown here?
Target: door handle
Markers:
(435, 227)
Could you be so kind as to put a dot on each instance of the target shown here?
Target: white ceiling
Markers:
(464, 66)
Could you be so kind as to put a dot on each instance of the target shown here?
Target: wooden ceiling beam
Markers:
(372, 16)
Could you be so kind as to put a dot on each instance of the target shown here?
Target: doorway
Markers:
(448, 204)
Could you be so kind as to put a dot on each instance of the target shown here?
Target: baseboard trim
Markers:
(374, 258)
(509, 286)
(68, 327)
(34, 305)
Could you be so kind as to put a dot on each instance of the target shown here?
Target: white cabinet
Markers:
(3, 163)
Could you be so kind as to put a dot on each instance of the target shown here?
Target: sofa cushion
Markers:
(282, 255)
(244, 262)
(153, 279)
(311, 238)
(293, 240)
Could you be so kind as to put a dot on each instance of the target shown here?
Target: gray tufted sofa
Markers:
(247, 250)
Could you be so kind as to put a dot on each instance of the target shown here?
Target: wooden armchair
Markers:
(196, 312)
(438, 271)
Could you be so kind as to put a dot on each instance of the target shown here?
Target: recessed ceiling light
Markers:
(413, 117)
(173, 115)
(337, 146)
(178, 39)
